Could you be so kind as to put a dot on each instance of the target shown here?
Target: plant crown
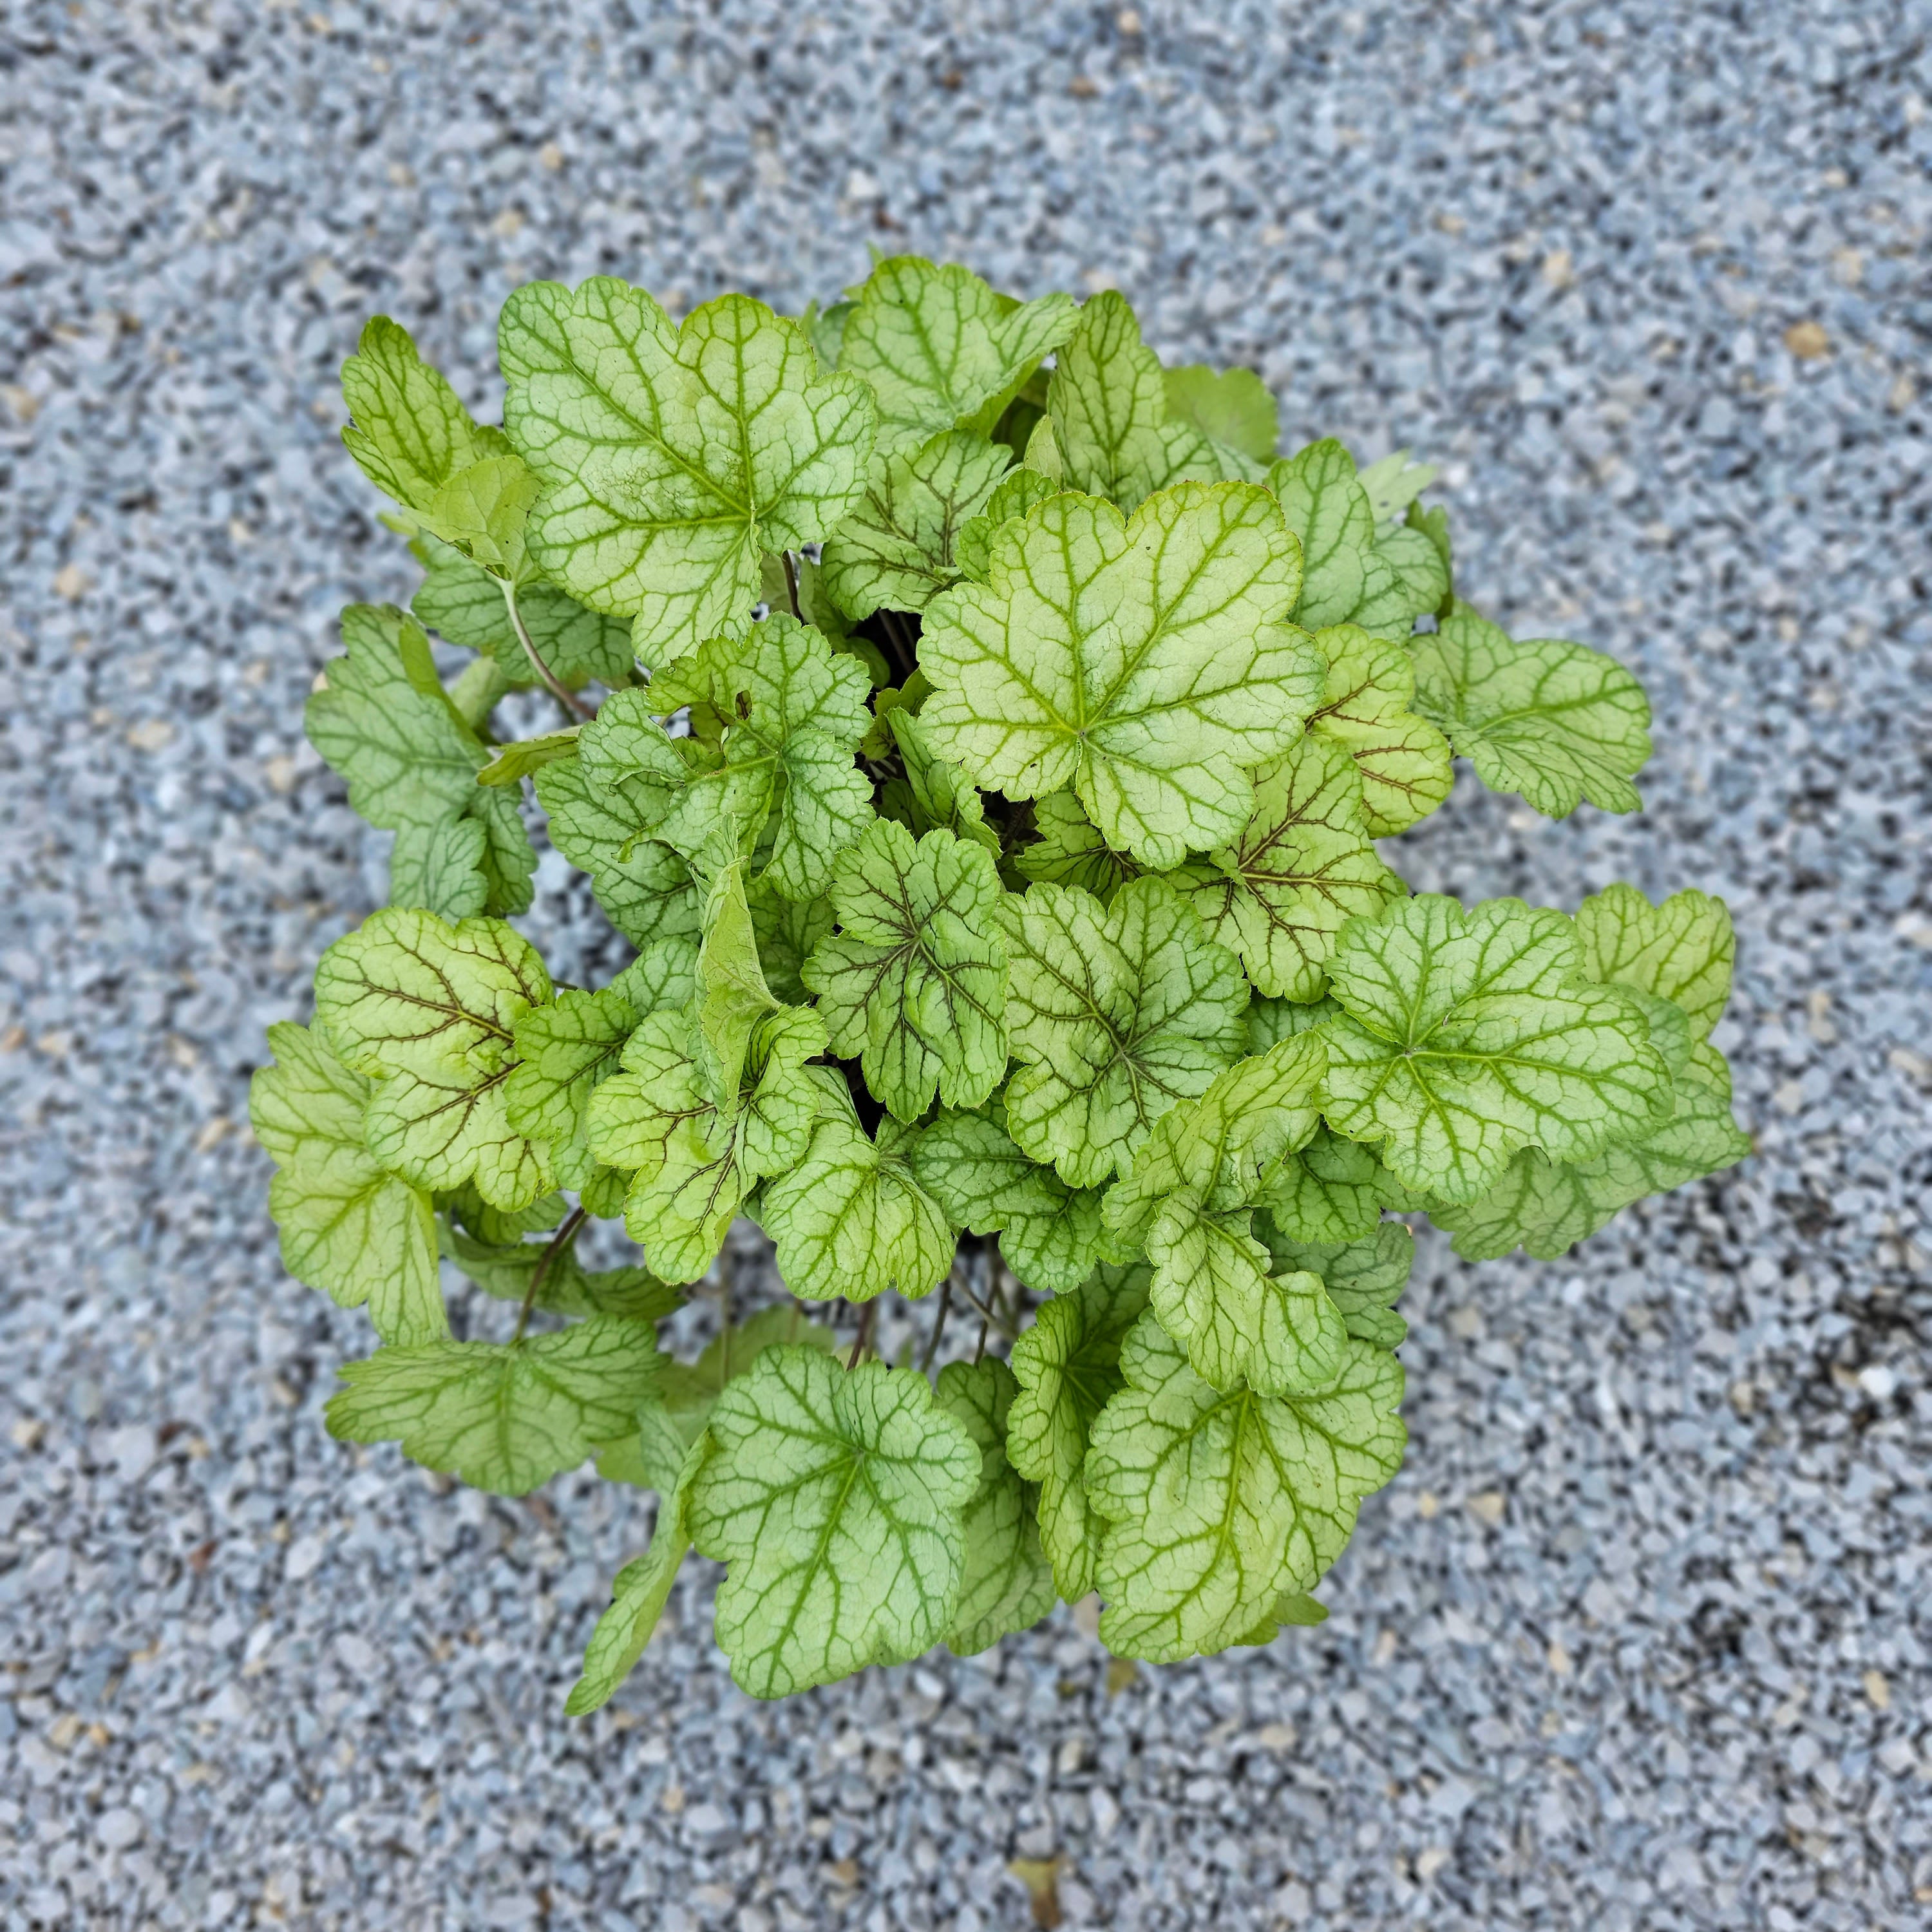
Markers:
(994, 740)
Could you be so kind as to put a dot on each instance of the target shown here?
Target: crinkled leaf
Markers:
(1272, 1020)
(1366, 708)
(1050, 1235)
(1467, 1036)
(1551, 720)
(913, 985)
(897, 549)
(1331, 1190)
(461, 601)
(1405, 578)
(1070, 851)
(935, 795)
(1067, 1365)
(646, 889)
(638, 1597)
(357, 1233)
(1019, 491)
(1114, 1012)
(1142, 662)
(502, 1416)
(1006, 1583)
(836, 1500)
(1546, 1207)
(1231, 407)
(787, 930)
(1301, 866)
(428, 1011)
(1217, 1503)
(1362, 1277)
(566, 1048)
(382, 720)
(1681, 951)
(851, 1219)
(671, 459)
(1323, 502)
(941, 349)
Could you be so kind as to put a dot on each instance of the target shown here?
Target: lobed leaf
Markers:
(1404, 760)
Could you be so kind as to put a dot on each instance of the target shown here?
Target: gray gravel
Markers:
(1639, 1638)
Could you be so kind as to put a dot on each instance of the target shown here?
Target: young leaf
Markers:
(1114, 1013)
(851, 1219)
(786, 931)
(1393, 483)
(383, 720)
(1323, 502)
(1019, 491)
(898, 548)
(1403, 759)
(645, 888)
(835, 1501)
(1142, 662)
(1469, 1035)
(913, 984)
(1067, 1365)
(1681, 951)
(349, 1228)
(638, 1597)
(565, 1049)
(1363, 1276)
(1051, 1234)
(941, 350)
(671, 459)
(1405, 578)
(503, 1416)
(1006, 1583)
(1301, 866)
(1217, 1503)
(429, 1012)
(1331, 1190)
(1231, 407)
(935, 796)
(1070, 851)
(1551, 720)
(410, 434)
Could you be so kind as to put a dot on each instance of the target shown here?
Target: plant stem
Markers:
(865, 1334)
(558, 689)
(938, 1325)
(791, 583)
(559, 1241)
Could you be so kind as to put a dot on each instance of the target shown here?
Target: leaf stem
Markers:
(558, 689)
(559, 1241)
(939, 1323)
(872, 1309)
(791, 583)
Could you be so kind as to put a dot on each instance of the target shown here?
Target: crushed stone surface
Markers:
(1638, 1639)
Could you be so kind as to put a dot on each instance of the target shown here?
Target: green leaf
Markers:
(1110, 422)
(637, 1598)
(1051, 1234)
(1469, 1035)
(461, 601)
(1006, 1583)
(790, 713)
(898, 548)
(645, 888)
(1331, 1190)
(940, 350)
(429, 1011)
(1189, 1200)
(1366, 708)
(1144, 663)
(497, 1226)
(1546, 1207)
(524, 757)
(1434, 524)
(502, 1416)
(1219, 1503)
(1067, 1365)
(1070, 851)
(410, 434)
(565, 1049)
(1019, 491)
(787, 930)
(835, 1502)
(1405, 578)
(671, 460)
(482, 510)
(1551, 720)
(913, 983)
(1362, 1277)
(851, 1218)
(1272, 1020)
(506, 1270)
(1323, 502)
(349, 1228)
(382, 719)
(1393, 483)
(936, 796)
(1114, 1013)
(1681, 951)
(1232, 407)
(1301, 866)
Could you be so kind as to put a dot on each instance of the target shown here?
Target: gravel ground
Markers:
(1639, 1637)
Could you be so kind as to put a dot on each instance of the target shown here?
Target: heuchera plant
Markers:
(994, 740)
